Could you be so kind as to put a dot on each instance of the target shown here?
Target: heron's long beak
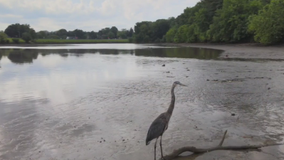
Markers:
(183, 84)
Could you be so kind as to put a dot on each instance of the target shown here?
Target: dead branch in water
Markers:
(201, 151)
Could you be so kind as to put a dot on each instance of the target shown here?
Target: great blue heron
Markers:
(160, 124)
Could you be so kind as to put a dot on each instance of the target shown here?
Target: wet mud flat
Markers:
(111, 121)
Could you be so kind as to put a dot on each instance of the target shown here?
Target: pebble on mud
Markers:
(268, 88)
(163, 65)
(233, 114)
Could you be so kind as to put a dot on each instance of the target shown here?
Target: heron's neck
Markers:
(172, 105)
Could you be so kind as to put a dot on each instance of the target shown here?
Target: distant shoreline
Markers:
(64, 41)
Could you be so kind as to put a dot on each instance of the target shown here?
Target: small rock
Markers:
(233, 114)
(268, 88)
(163, 65)
(207, 79)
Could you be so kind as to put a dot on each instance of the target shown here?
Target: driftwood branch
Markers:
(200, 151)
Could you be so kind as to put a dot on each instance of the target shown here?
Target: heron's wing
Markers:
(157, 128)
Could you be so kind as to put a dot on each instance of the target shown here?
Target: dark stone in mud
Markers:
(207, 79)
(233, 114)
(163, 65)
(268, 88)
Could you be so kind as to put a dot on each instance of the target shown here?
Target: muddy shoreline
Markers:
(242, 51)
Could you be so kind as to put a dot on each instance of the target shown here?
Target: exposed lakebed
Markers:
(96, 101)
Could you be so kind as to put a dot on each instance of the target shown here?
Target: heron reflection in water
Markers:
(160, 124)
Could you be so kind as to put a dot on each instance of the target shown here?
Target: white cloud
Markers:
(51, 6)
(10, 16)
(87, 14)
(42, 23)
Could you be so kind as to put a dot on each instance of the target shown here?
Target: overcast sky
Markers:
(88, 15)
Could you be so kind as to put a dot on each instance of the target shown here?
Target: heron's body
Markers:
(158, 127)
(160, 124)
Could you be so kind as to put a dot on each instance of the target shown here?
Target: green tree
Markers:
(114, 30)
(26, 37)
(111, 35)
(32, 33)
(42, 34)
(268, 25)
(79, 34)
(170, 35)
(130, 33)
(92, 35)
(122, 34)
(3, 37)
(181, 35)
(16, 30)
(62, 33)
(231, 22)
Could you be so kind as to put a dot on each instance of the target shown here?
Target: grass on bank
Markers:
(16, 40)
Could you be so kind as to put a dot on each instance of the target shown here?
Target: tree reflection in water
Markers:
(21, 56)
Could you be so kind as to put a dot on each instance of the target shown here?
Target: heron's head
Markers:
(178, 83)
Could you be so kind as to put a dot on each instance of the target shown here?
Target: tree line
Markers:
(219, 21)
(24, 31)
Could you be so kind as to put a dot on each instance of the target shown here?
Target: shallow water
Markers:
(92, 102)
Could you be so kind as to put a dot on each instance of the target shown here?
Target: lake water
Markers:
(96, 101)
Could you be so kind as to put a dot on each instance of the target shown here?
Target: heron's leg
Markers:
(161, 147)
(155, 149)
